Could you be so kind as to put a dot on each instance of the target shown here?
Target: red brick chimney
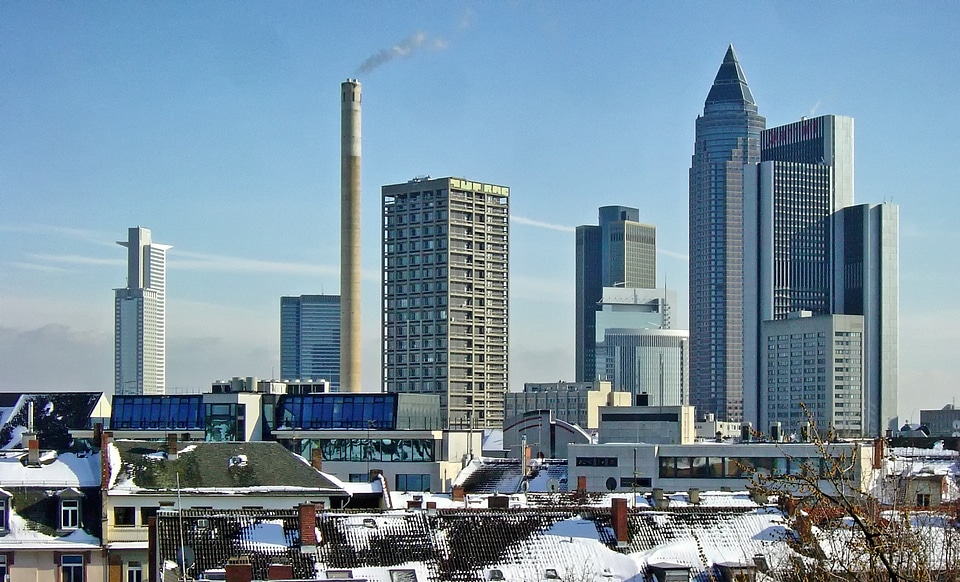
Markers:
(581, 484)
(316, 459)
(458, 493)
(172, 447)
(33, 453)
(878, 446)
(307, 512)
(239, 569)
(280, 572)
(619, 518)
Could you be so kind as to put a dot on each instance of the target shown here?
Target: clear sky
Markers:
(216, 125)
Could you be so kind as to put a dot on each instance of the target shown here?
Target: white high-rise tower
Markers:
(140, 317)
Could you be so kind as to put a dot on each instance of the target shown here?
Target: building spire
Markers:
(730, 84)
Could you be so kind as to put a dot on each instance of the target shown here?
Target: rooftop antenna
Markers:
(30, 416)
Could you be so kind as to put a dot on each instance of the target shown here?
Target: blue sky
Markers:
(216, 125)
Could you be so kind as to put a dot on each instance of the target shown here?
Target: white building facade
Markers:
(140, 317)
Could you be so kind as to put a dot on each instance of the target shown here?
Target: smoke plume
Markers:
(405, 48)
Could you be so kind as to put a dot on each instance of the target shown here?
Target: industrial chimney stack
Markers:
(350, 236)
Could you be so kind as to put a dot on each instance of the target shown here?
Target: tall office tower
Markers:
(619, 252)
(727, 137)
(805, 175)
(809, 250)
(140, 318)
(445, 250)
(866, 282)
(310, 338)
(650, 362)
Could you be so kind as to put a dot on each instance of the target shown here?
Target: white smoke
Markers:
(405, 48)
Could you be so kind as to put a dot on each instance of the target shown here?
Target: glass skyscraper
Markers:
(310, 338)
(619, 252)
(727, 138)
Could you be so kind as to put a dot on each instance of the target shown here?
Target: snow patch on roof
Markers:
(66, 470)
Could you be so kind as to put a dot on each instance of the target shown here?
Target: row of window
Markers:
(385, 450)
(736, 467)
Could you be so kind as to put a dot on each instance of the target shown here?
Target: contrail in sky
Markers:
(405, 48)
(530, 222)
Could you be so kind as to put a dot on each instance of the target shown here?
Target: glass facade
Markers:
(157, 413)
(618, 253)
(224, 422)
(377, 449)
(727, 138)
(337, 411)
(736, 467)
(310, 338)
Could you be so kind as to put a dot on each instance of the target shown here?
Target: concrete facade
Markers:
(445, 296)
(140, 317)
(812, 369)
(574, 402)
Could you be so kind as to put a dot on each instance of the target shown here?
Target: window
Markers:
(146, 513)
(3, 517)
(70, 517)
(124, 516)
(413, 483)
(923, 500)
(71, 568)
(134, 572)
(3, 565)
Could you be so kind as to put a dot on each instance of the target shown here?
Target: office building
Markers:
(867, 282)
(573, 402)
(619, 252)
(808, 249)
(812, 369)
(652, 363)
(727, 137)
(445, 251)
(310, 338)
(140, 317)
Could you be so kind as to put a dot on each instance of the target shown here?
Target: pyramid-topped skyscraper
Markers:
(727, 137)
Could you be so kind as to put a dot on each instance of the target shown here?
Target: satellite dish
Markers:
(611, 483)
(553, 485)
(186, 557)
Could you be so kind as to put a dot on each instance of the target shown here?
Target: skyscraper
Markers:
(140, 318)
(807, 249)
(445, 250)
(727, 137)
(310, 338)
(619, 252)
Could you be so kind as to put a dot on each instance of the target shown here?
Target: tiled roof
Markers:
(216, 466)
(212, 538)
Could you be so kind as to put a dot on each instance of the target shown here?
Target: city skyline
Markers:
(210, 132)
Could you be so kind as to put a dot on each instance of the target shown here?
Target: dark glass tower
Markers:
(727, 137)
(310, 338)
(620, 252)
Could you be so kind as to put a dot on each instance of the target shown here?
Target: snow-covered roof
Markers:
(63, 470)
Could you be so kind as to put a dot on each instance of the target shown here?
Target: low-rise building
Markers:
(573, 402)
(143, 477)
(50, 515)
(647, 424)
(705, 466)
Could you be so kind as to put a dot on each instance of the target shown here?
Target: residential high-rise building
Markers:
(140, 317)
(727, 137)
(619, 252)
(807, 249)
(445, 261)
(310, 338)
